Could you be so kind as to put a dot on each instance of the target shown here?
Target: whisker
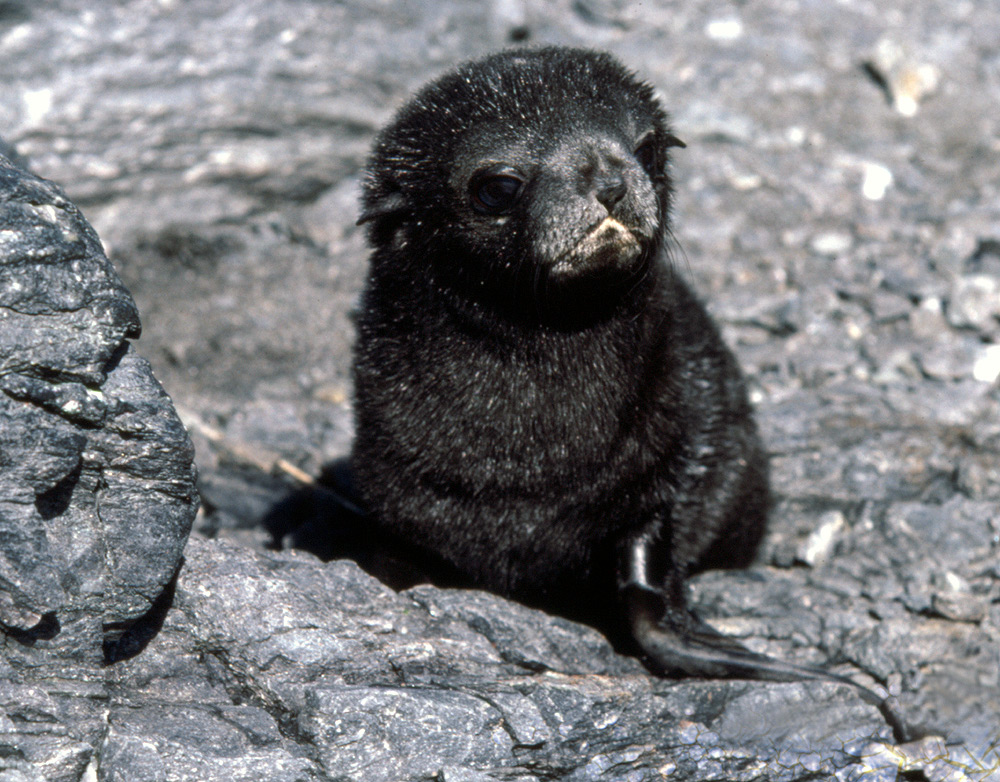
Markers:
(639, 276)
(672, 247)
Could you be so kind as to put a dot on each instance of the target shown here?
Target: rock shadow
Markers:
(328, 520)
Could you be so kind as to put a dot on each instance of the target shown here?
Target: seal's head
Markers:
(534, 180)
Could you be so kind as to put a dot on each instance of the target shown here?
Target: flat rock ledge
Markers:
(282, 667)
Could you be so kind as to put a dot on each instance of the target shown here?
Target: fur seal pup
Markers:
(541, 402)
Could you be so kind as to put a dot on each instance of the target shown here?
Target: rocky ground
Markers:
(838, 207)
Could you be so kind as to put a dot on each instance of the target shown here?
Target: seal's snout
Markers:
(607, 246)
(610, 194)
(610, 230)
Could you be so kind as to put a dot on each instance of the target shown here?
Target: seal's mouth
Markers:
(608, 246)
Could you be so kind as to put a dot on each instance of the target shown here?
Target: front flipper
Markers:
(676, 642)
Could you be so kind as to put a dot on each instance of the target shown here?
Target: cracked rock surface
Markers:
(88, 439)
(285, 668)
(97, 485)
(838, 207)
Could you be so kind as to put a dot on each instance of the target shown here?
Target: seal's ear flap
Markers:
(672, 141)
(382, 206)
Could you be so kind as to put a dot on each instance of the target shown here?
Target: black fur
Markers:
(542, 403)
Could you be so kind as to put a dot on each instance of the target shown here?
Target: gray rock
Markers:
(50, 729)
(96, 480)
(975, 302)
(319, 672)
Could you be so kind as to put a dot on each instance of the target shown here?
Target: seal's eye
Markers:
(647, 156)
(496, 189)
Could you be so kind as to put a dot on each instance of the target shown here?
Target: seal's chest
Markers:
(528, 414)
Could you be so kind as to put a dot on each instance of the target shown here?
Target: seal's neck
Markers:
(526, 308)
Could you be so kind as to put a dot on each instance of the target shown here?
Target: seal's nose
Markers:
(611, 193)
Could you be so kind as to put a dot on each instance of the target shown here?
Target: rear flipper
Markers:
(676, 642)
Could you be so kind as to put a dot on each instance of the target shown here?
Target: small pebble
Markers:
(927, 321)
(960, 606)
(908, 81)
(877, 180)
(986, 367)
(831, 243)
(821, 541)
(729, 29)
(975, 302)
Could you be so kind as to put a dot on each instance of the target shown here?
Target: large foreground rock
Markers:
(96, 472)
(282, 668)
(96, 480)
